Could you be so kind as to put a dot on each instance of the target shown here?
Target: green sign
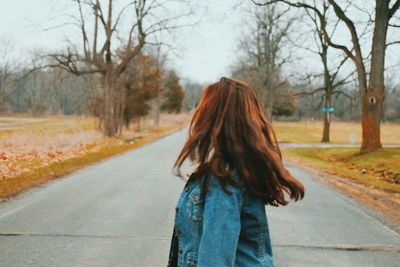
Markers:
(328, 109)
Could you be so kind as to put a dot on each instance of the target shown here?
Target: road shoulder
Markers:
(377, 203)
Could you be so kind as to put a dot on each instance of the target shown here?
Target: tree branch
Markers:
(337, 93)
(313, 92)
(392, 43)
(394, 8)
(344, 48)
(350, 25)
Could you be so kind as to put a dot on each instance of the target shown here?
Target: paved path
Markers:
(120, 212)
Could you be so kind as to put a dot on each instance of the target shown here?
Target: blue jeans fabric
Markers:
(217, 229)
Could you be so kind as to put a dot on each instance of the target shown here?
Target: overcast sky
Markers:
(203, 53)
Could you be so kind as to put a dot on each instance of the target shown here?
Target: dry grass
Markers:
(311, 132)
(379, 169)
(35, 150)
(49, 124)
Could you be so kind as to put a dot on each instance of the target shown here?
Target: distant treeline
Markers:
(54, 91)
(146, 87)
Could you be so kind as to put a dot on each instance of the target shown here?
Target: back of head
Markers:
(229, 130)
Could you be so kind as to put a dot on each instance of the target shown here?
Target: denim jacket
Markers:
(220, 230)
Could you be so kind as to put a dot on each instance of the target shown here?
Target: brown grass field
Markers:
(311, 132)
(35, 150)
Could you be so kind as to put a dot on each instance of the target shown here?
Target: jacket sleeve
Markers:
(221, 226)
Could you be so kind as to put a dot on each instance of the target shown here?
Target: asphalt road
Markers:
(120, 212)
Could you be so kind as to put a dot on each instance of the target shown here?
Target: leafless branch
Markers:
(392, 43)
(394, 8)
(307, 93)
(344, 94)
(344, 48)
(394, 25)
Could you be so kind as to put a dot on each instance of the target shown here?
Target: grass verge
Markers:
(379, 169)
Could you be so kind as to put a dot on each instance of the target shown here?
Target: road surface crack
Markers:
(344, 247)
(370, 247)
(144, 238)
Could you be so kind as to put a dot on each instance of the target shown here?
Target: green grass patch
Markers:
(380, 169)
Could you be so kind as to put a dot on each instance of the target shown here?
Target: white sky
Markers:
(203, 53)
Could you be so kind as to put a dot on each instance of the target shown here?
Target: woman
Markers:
(220, 217)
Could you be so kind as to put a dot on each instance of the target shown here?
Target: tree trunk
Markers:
(268, 112)
(328, 96)
(327, 118)
(139, 124)
(269, 93)
(2, 91)
(2, 102)
(121, 105)
(157, 111)
(110, 123)
(372, 99)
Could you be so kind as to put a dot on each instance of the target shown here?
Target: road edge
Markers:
(370, 201)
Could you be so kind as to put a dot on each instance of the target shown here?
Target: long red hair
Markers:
(229, 130)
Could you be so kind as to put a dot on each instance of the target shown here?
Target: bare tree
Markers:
(192, 94)
(372, 86)
(108, 53)
(332, 83)
(6, 68)
(263, 59)
(155, 103)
